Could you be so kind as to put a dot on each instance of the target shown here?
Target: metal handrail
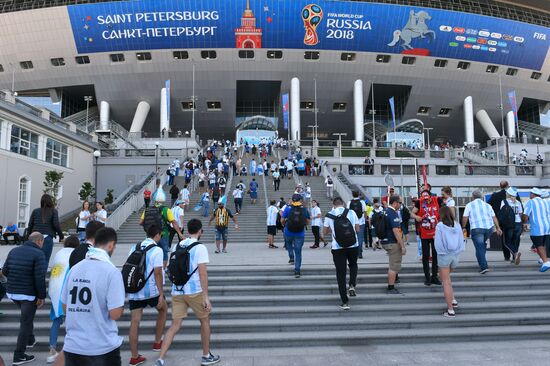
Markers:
(129, 202)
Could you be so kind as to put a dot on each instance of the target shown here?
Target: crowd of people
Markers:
(88, 292)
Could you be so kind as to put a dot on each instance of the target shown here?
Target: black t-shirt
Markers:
(78, 254)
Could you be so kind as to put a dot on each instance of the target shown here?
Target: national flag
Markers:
(392, 106)
(424, 175)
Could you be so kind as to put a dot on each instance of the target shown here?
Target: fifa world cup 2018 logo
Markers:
(312, 15)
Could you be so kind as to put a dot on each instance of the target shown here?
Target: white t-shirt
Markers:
(450, 202)
(272, 215)
(237, 193)
(289, 165)
(352, 217)
(516, 206)
(316, 221)
(197, 255)
(273, 166)
(153, 259)
(82, 222)
(178, 213)
(92, 289)
(101, 216)
(364, 208)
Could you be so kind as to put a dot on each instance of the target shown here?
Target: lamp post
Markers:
(313, 135)
(193, 98)
(87, 99)
(373, 110)
(340, 146)
(428, 129)
(97, 154)
(156, 158)
(186, 138)
(537, 139)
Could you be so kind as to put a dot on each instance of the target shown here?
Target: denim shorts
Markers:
(222, 233)
(447, 260)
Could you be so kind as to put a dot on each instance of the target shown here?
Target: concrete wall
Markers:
(120, 173)
(15, 166)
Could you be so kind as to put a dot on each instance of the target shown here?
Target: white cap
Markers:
(536, 191)
(512, 192)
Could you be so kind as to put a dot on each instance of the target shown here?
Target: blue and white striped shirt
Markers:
(153, 259)
(538, 211)
(197, 255)
(480, 214)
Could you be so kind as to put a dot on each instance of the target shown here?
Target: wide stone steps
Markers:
(259, 305)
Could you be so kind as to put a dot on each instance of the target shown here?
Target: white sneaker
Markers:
(545, 266)
(51, 358)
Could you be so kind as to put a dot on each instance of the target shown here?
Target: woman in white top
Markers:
(316, 223)
(100, 213)
(83, 219)
(512, 234)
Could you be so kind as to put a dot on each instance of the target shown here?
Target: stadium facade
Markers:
(136, 59)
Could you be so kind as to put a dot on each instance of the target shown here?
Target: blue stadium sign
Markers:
(303, 24)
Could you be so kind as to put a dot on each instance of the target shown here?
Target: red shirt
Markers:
(147, 194)
(429, 212)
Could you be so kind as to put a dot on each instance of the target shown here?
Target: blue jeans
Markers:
(163, 243)
(82, 236)
(360, 239)
(294, 246)
(54, 330)
(206, 205)
(47, 248)
(480, 237)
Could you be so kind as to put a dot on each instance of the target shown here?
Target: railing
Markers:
(486, 170)
(343, 191)
(129, 202)
(363, 169)
(446, 170)
(525, 170)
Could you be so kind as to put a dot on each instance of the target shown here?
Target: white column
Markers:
(4, 135)
(469, 120)
(487, 124)
(104, 115)
(510, 124)
(295, 109)
(358, 111)
(42, 147)
(164, 123)
(140, 116)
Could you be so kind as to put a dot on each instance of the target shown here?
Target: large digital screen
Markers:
(303, 24)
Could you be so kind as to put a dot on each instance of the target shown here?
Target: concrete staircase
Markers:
(264, 306)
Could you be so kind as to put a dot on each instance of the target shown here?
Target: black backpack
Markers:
(506, 216)
(357, 207)
(153, 216)
(133, 271)
(379, 223)
(296, 220)
(179, 266)
(329, 181)
(344, 231)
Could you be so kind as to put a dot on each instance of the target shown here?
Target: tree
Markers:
(86, 191)
(109, 199)
(52, 179)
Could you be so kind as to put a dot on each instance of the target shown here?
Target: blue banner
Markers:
(392, 107)
(301, 24)
(286, 110)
